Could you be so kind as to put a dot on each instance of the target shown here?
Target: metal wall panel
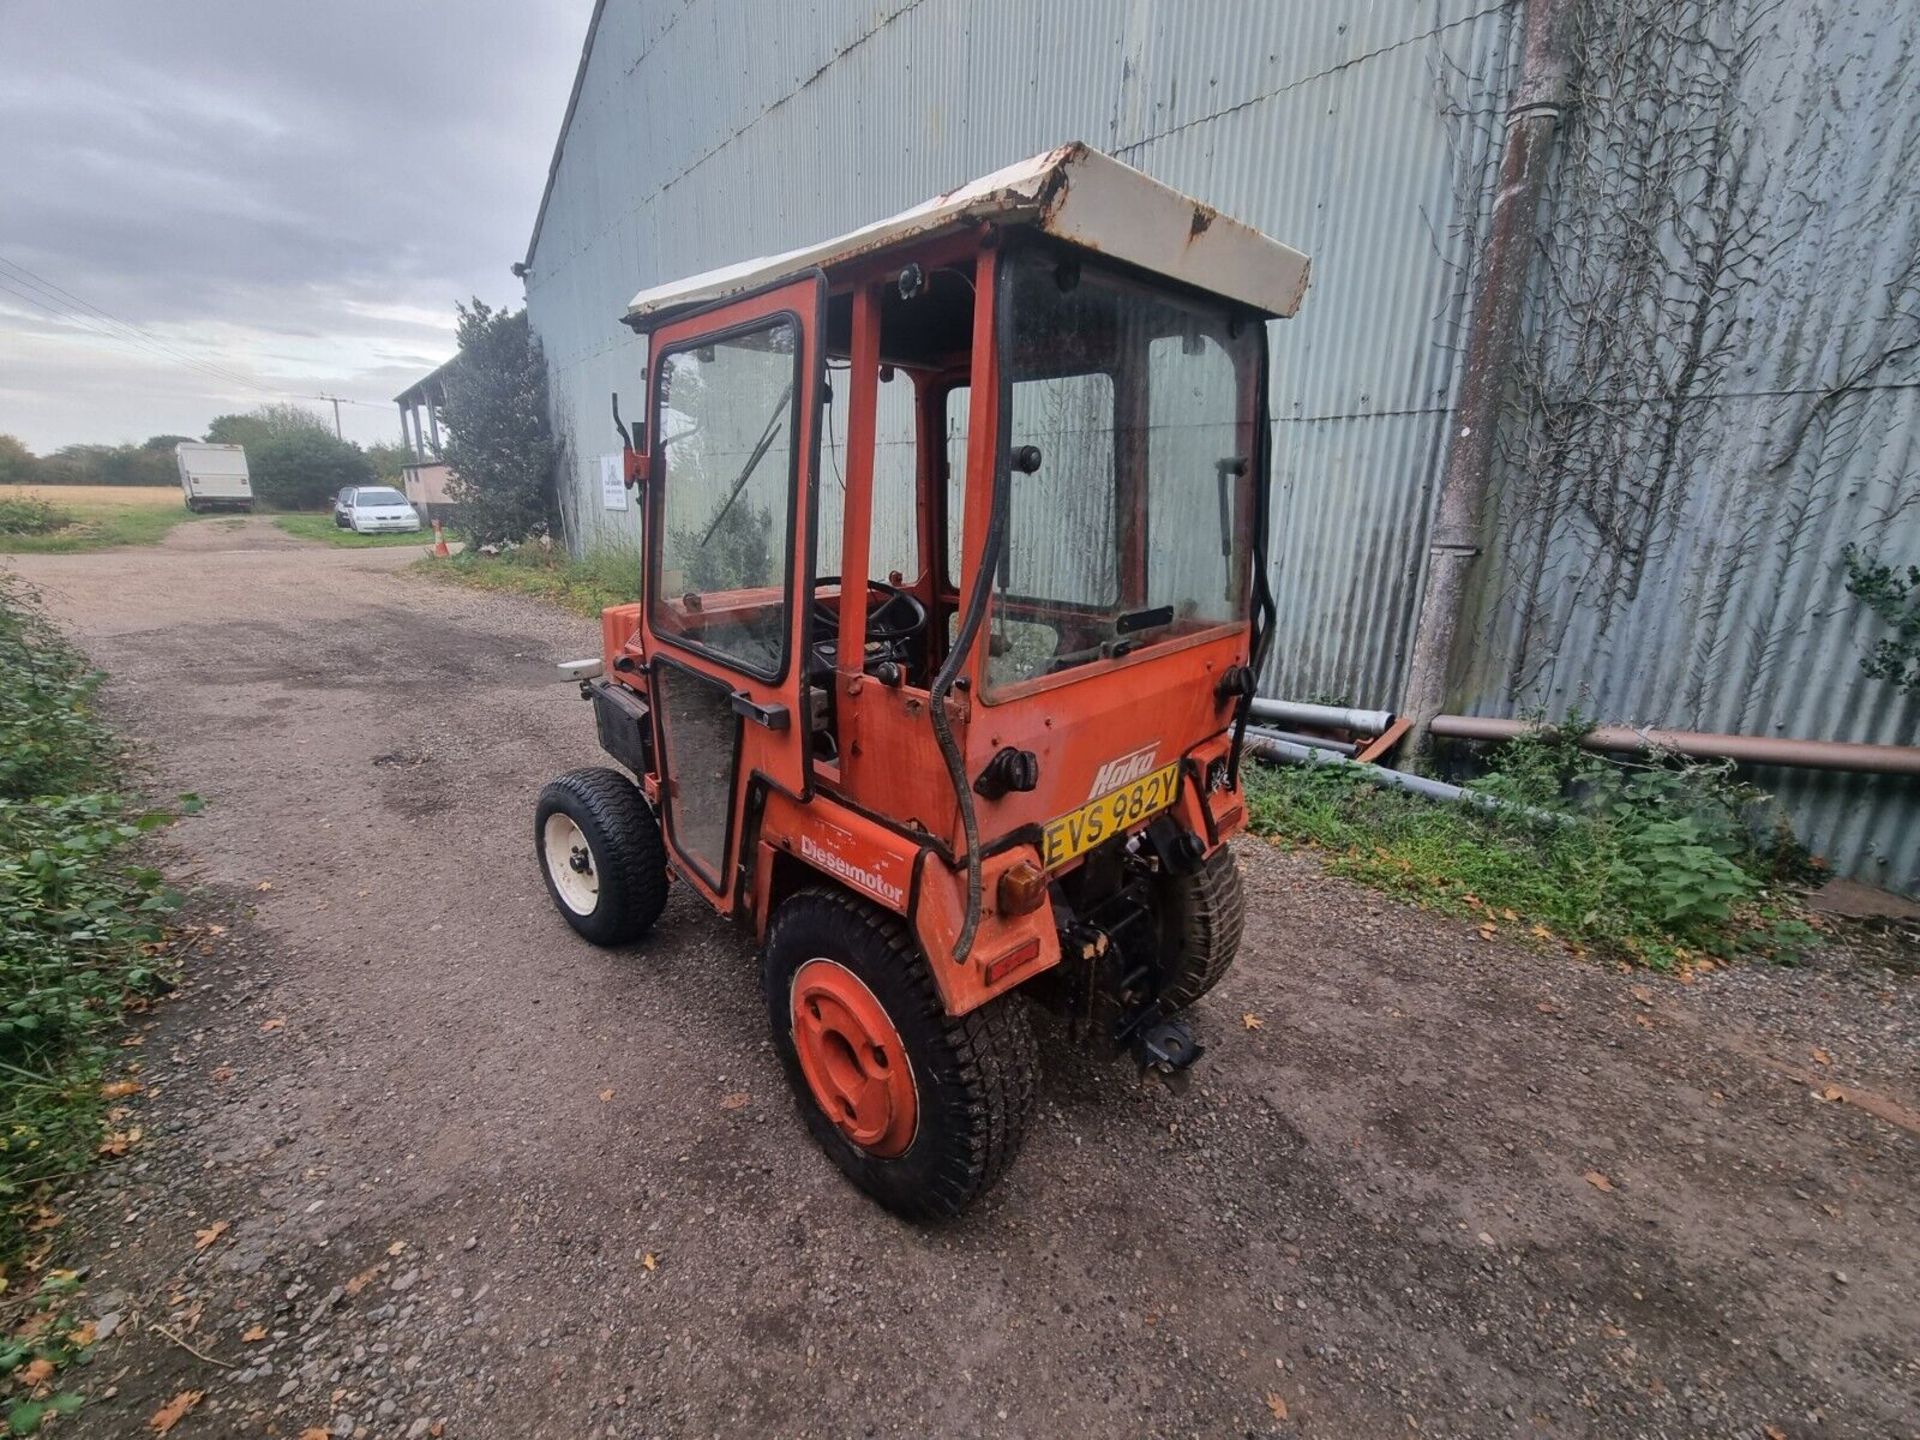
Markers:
(1365, 134)
(1709, 593)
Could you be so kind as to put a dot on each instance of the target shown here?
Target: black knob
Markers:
(1025, 458)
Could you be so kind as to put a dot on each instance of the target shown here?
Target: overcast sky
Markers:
(293, 194)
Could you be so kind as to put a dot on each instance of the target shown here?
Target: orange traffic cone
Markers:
(440, 549)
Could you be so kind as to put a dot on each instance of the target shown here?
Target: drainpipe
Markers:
(1493, 327)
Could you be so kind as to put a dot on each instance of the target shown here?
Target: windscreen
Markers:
(379, 497)
(1128, 459)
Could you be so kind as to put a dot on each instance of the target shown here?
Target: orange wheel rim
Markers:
(853, 1059)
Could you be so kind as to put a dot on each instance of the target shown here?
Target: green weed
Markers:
(603, 578)
(1653, 862)
(321, 527)
(80, 922)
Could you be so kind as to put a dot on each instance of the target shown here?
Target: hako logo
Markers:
(835, 863)
(1124, 771)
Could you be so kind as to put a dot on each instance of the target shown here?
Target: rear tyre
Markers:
(1204, 916)
(601, 854)
(922, 1111)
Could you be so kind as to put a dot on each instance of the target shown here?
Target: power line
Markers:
(124, 330)
(63, 304)
(83, 323)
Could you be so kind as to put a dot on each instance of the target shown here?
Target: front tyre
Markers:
(601, 854)
(921, 1110)
(1203, 915)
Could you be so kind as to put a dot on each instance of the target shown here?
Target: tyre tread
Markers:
(990, 1069)
(631, 856)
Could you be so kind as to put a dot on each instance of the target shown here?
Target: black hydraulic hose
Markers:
(1263, 613)
(963, 639)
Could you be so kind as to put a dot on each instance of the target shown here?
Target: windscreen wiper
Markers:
(753, 461)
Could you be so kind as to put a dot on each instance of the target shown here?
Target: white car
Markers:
(376, 510)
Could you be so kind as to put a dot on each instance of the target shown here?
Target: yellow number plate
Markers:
(1101, 819)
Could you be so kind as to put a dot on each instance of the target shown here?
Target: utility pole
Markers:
(1492, 327)
(336, 415)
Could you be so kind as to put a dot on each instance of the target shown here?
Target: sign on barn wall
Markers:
(613, 483)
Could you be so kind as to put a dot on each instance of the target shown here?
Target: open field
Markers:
(102, 515)
(412, 1153)
(322, 528)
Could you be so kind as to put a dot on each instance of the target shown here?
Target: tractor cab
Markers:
(949, 618)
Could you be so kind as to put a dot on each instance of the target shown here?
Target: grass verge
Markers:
(80, 920)
(1652, 863)
(586, 587)
(60, 519)
(321, 527)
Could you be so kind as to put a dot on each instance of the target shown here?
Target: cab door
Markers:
(735, 404)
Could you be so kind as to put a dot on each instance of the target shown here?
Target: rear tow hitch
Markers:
(1167, 1049)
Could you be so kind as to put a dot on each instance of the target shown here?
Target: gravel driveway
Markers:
(478, 1175)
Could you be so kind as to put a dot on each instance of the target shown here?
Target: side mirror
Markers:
(632, 443)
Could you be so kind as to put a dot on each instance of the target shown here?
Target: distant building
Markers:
(425, 479)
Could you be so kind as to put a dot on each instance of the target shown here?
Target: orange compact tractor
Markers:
(950, 614)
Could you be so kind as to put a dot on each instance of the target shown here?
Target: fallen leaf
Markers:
(268, 1025)
(1508, 915)
(314, 1432)
(174, 1411)
(1540, 932)
(44, 1219)
(81, 1335)
(119, 1089)
(363, 1279)
(253, 1335)
(1821, 1057)
(222, 1074)
(1489, 930)
(203, 1238)
(1645, 1022)
(1773, 1432)
(605, 1095)
(120, 1141)
(650, 1260)
(735, 1101)
(1546, 1007)
(37, 1373)
(1251, 1021)
(396, 1247)
(1833, 1092)
(1599, 1181)
(1641, 993)
(1278, 1406)
(264, 885)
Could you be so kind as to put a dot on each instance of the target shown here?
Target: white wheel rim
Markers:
(570, 864)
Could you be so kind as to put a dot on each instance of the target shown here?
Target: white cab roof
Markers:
(1075, 193)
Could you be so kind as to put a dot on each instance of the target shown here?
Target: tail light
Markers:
(1023, 886)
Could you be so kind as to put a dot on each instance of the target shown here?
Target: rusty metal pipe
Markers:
(1706, 745)
(1493, 330)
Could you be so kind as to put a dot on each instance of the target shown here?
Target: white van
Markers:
(214, 477)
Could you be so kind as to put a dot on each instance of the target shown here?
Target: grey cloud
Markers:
(297, 185)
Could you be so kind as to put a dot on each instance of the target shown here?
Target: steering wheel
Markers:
(898, 616)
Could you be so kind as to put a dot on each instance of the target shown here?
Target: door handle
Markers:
(770, 717)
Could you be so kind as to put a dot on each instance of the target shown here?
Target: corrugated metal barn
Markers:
(1719, 373)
